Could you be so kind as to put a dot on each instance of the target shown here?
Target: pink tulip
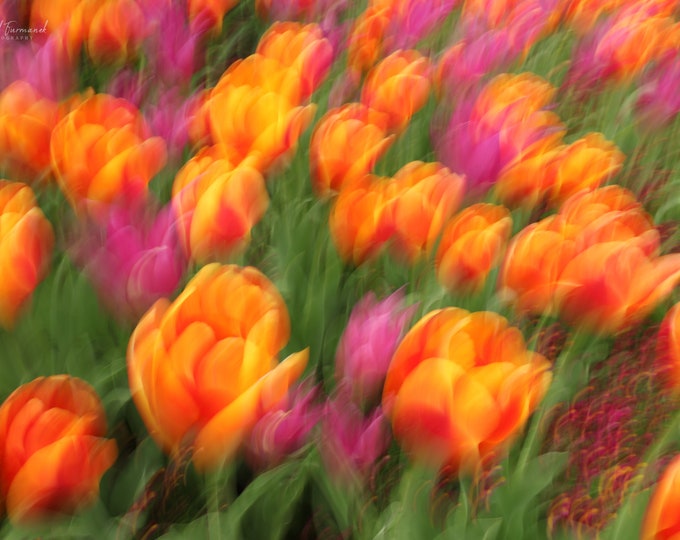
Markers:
(132, 260)
(351, 443)
(368, 342)
(659, 100)
(285, 430)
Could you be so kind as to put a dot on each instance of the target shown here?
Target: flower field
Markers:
(321, 269)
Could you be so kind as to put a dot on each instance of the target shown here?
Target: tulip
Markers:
(46, 65)
(216, 205)
(361, 221)
(370, 338)
(613, 285)
(507, 120)
(668, 347)
(52, 447)
(346, 144)
(427, 195)
(256, 124)
(302, 48)
(398, 86)
(170, 118)
(619, 47)
(471, 245)
(595, 263)
(659, 102)
(102, 152)
(116, 32)
(460, 386)
(133, 260)
(202, 369)
(283, 431)
(351, 443)
(411, 21)
(557, 173)
(26, 122)
(205, 16)
(661, 518)
(26, 241)
(365, 43)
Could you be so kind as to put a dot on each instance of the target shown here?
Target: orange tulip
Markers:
(365, 42)
(203, 370)
(471, 245)
(302, 48)
(102, 151)
(26, 123)
(26, 241)
(217, 205)
(263, 72)
(427, 195)
(595, 263)
(256, 124)
(460, 386)
(52, 448)
(361, 220)
(207, 15)
(116, 31)
(398, 86)
(560, 172)
(668, 347)
(612, 285)
(346, 144)
(662, 520)
(57, 14)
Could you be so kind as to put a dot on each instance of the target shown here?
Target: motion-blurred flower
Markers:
(368, 342)
(103, 152)
(499, 126)
(345, 146)
(661, 517)
(302, 48)
(427, 195)
(554, 174)
(133, 260)
(398, 86)
(283, 431)
(460, 386)
(53, 448)
(26, 123)
(351, 443)
(473, 242)
(26, 242)
(216, 205)
(202, 369)
(361, 221)
(116, 32)
(659, 102)
(596, 263)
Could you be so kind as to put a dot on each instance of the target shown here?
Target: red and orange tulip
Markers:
(116, 31)
(203, 370)
(365, 42)
(217, 205)
(555, 173)
(668, 347)
(26, 123)
(427, 195)
(256, 124)
(52, 448)
(26, 241)
(399, 86)
(103, 151)
(471, 245)
(662, 520)
(460, 386)
(595, 263)
(302, 48)
(346, 144)
(361, 220)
